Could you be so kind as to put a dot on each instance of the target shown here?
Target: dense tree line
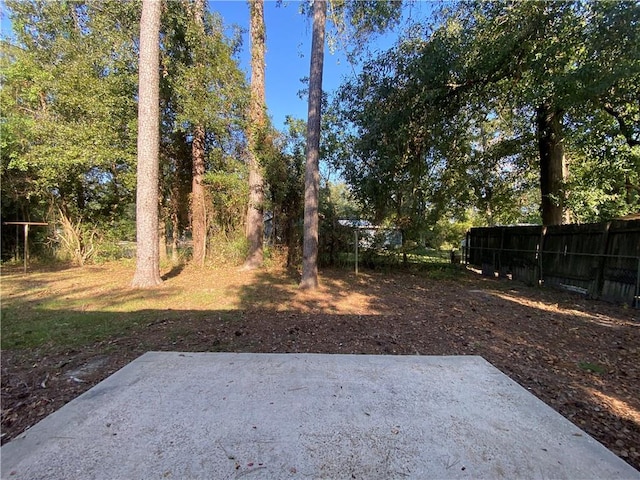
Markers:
(69, 112)
(508, 111)
(69, 99)
(490, 112)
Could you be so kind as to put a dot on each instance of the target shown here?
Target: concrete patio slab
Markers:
(228, 416)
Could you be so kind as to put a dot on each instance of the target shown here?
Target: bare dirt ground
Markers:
(581, 357)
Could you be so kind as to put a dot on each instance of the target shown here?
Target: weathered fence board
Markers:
(621, 263)
(601, 260)
(570, 255)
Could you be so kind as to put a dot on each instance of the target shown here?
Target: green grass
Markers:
(429, 256)
(591, 367)
(75, 307)
(433, 264)
(24, 328)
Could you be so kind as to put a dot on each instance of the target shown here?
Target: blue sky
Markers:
(288, 50)
(287, 57)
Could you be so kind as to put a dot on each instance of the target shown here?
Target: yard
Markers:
(65, 330)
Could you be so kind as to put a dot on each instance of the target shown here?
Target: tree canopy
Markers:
(446, 120)
(69, 99)
(68, 106)
(483, 113)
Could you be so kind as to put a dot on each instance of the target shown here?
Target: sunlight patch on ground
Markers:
(618, 407)
(332, 297)
(598, 319)
(328, 301)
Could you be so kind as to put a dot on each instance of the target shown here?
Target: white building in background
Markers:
(371, 235)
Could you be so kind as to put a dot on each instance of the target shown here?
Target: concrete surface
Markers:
(227, 416)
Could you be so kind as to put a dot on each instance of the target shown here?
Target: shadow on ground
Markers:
(578, 356)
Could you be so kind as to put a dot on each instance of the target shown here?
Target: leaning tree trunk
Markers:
(552, 164)
(257, 125)
(312, 173)
(147, 256)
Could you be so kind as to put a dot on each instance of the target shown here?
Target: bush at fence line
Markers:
(334, 240)
(446, 235)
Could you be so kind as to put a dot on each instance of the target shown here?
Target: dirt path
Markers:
(579, 356)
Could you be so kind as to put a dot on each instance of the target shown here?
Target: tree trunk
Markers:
(631, 191)
(175, 227)
(257, 125)
(162, 242)
(293, 243)
(198, 205)
(312, 173)
(487, 206)
(147, 262)
(198, 210)
(552, 163)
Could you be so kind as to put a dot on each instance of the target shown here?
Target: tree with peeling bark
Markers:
(147, 272)
(256, 136)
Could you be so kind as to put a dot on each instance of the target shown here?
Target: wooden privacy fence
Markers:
(601, 260)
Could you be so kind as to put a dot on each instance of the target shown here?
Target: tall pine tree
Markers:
(257, 135)
(147, 272)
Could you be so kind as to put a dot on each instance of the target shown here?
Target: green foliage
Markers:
(69, 111)
(353, 23)
(81, 243)
(604, 172)
(228, 249)
(340, 201)
(202, 85)
(227, 191)
(448, 234)
(202, 81)
(336, 240)
(69, 115)
(76, 241)
(442, 122)
(283, 163)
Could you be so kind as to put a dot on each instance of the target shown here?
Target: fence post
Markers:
(637, 295)
(502, 272)
(26, 246)
(598, 283)
(494, 267)
(356, 247)
(466, 248)
(543, 233)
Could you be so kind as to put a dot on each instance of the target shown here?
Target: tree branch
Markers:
(625, 129)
